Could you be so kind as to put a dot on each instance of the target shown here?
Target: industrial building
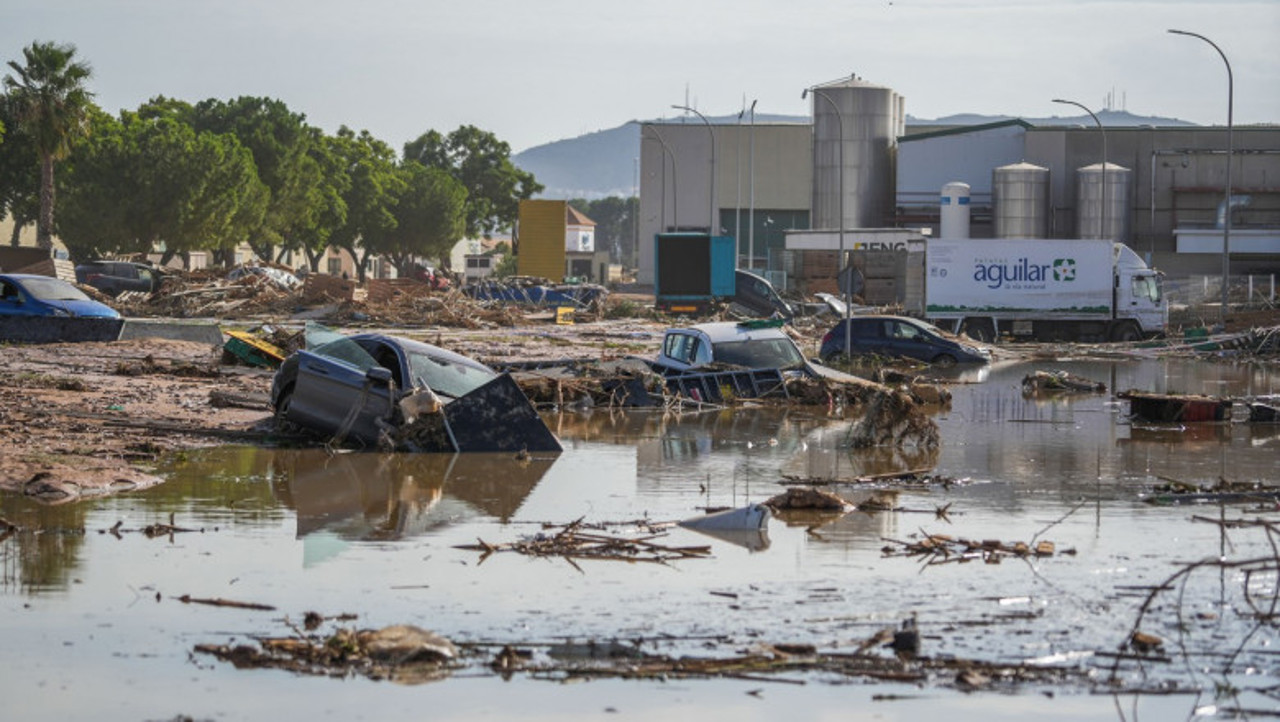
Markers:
(858, 169)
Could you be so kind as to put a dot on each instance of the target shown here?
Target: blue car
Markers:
(898, 337)
(42, 309)
(29, 295)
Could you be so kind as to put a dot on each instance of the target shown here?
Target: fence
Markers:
(1197, 300)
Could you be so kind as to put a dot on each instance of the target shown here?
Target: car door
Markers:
(15, 302)
(341, 391)
(907, 339)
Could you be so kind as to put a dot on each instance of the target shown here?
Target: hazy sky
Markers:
(535, 71)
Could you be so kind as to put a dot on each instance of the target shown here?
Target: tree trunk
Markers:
(44, 227)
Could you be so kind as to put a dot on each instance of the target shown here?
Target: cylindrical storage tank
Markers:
(953, 215)
(868, 119)
(1020, 196)
(1096, 217)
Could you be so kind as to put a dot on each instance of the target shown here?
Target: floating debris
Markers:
(942, 549)
(1058, 382)
(1176, 408)
(573, 542)
(807, 498)
(401, 653)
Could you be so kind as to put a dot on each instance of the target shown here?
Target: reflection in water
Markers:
(390, 496)
(43, 551)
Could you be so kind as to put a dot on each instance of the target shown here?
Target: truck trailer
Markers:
(1042, 289)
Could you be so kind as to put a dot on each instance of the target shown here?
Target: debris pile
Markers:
(401, 653)
(1056, 382)
(574, 541)
(1176, 408)
(806, 498)
(943, 549)
(893, 419)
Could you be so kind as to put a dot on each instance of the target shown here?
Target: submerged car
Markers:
(749, 359)
(370, 387)
(749, 345)
(897, 337)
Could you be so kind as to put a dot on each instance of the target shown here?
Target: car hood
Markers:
(91, 309)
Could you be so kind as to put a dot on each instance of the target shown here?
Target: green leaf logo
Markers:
(1064, 269)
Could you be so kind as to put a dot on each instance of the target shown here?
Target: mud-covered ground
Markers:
(85, 418)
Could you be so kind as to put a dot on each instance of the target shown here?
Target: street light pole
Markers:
(675, 188)
(737, 175)
(751, 182)
(1106, 230)
(712, 224)
(1226, 226)
(848, 290)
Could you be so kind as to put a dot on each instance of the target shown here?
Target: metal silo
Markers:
(953, 215)
(1089, 203)
(1020, 195)
(870, 118)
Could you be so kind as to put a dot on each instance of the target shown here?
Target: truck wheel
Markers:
(1126, 333)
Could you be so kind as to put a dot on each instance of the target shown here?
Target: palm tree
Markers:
(52, 106)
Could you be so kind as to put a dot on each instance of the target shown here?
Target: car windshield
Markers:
(52, 289)
(759, 353)
(326, 342)
(447, 377)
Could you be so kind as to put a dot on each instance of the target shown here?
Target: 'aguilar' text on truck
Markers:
(1047, 289)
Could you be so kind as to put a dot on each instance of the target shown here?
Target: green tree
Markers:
(374, 187)
(281, 143)
(429, 218)
(482, 164)
(51, 104)
(19, 173)
(324, 210)
(150, 179)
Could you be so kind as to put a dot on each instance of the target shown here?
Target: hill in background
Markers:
(603, 163)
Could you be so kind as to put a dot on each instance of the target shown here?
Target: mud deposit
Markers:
(111, 606)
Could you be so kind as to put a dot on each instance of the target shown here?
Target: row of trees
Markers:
(216, 174)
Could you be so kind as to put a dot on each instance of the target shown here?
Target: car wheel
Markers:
(944, 360)
(283, 402)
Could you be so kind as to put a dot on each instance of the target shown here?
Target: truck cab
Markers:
(1140, 306)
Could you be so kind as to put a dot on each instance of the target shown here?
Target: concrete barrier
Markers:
(202, 331)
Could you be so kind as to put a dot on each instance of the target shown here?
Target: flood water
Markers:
(92, 626)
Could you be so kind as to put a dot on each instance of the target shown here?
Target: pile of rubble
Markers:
(210, 293)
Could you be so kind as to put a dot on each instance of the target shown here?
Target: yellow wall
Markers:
(543, 225)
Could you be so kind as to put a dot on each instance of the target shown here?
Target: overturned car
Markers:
(393, 393)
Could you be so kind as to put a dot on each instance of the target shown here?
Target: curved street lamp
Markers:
(675, 188)
(1226, 226)
(712, 224)
(1105, 230)
(848, 286)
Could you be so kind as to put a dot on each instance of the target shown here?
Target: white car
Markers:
(753, 345)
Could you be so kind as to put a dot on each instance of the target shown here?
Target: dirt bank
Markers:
(84, 418)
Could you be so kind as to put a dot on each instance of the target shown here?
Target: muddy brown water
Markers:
(92, 626)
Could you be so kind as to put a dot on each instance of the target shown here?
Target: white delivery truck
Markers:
(1044, 289)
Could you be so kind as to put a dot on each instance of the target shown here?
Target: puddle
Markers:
(92, 623)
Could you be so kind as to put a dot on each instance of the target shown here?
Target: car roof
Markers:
(732, 331)
(27, 276)
(409, 344)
